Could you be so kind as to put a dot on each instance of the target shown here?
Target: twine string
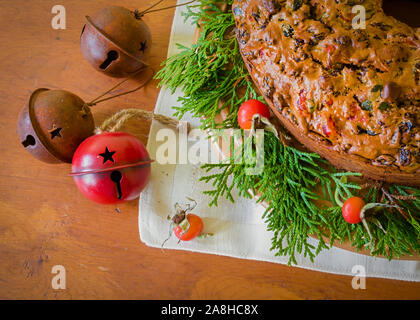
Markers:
(139, 14)
(115, 122)
(86, 106)
(142, 13)
(96, 100)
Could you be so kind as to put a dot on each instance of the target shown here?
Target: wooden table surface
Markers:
(45, 221)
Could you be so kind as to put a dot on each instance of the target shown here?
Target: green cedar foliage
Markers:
(302, 190)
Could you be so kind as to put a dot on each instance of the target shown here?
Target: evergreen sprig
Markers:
(208, 72)
(213, 77)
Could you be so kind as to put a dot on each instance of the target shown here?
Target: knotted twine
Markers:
(115, 122)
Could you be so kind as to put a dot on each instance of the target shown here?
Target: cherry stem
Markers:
(257, 120)
(189, 207)
(184, 224)
(371, 206)
(337, 199)
(169, 236)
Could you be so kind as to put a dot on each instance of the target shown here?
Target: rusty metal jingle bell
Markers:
(111, 167)
(116, 41)
(53, 124)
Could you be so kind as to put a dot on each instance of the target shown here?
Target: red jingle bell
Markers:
(116, 41)
(111, 167)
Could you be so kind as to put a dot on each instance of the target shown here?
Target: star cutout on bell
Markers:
(55, 132)
(107, 155)
(143, 46)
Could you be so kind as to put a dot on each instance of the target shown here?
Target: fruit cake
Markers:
(348, 93)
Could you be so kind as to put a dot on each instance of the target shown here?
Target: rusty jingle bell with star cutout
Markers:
(53, 124)
(111, 167)
(116, 41)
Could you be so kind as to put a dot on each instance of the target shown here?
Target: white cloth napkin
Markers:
(238, 228)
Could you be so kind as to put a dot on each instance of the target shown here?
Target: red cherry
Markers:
(195, 228)
(248, 109)
(329, 128)
(352, 209)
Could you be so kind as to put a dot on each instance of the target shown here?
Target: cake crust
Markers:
(352, 95)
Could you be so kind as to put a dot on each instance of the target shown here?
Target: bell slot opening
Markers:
(83, 30)
(116, 177)
(29, 141)
(112, 56)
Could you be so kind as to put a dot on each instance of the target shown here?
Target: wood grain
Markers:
(45, 221)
